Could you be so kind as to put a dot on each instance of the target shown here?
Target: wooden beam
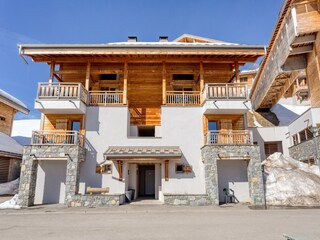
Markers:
(166, 170)
(301, 50)
(87, 85)
(120, 170)
(236, 67)
(304, 39)
(125, 83)
(201, 77)
(57, 77)
(52, 65)
(164, 84)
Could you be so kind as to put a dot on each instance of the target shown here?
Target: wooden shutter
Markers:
(4, 169)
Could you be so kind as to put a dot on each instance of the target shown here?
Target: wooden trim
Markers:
(125, 83)
(236, 67)
(88, 76)
(166, 170)
(120, 170)
(51, 76)
(164, 84)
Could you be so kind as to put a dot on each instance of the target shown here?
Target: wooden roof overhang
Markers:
(141, 53)
(143, 153)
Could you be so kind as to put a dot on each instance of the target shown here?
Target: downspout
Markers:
(20, 53)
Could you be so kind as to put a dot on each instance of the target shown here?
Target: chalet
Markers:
(165, 120)
(172, 120)
(10, 150)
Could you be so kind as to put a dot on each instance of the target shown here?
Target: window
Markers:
(75, 126)
(179, 168)
(270, 148)
(2, 118)
(109, 77)
(243, 79)
(146, 131)
(104, 168)
(188, 77)
(185, 89)
(108, 89)
(295, 139)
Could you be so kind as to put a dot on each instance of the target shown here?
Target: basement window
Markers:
(146, 131)
(109, 77)
(183, 77)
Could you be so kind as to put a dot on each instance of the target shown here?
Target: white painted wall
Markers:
(50, 184)
(233, 174)
(271, 134)
(226, 107)
(60, 107)
(180, 126)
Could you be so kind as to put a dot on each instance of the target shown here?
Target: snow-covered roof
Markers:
(13, 102)
(193, 38)
(174, 44)
(9, 145)
(249, 71)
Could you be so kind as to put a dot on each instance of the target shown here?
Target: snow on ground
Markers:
(22, 130)
(11, 204)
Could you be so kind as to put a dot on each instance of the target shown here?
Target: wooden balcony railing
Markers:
(104, 98)
(56, 137)
(229, 137)
(62, 91)
(227, 91)
(183, 98)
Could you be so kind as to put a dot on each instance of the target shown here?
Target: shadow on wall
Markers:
(93, 124)
(182, 175)
(88, 173)
(285, 115)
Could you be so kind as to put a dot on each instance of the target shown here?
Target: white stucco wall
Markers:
(233, 174)
(262, 135)
(180, 126)
(50, 185)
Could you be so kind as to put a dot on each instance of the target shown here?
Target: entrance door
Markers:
(146, 180)
(150, 182)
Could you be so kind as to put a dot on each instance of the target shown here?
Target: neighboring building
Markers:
(288, 84)
(166, 119)
(10, 150)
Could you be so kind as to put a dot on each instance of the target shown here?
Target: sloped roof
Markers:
(13, 102)
(188, 38)
(8, 146)
(142, 152)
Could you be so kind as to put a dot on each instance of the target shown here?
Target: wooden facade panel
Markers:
(308, 22)
(61, 121)
(225, 122)
(313, 73)
(6, 118)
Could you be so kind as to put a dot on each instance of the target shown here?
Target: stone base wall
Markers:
(212, 153)
(74, 156)
(96, 200)
(305, 150)
(186, 199)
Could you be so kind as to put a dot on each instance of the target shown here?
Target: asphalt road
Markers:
(159, 222)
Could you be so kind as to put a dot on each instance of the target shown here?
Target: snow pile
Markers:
(9, 188)
(291, 183)
(11, 204)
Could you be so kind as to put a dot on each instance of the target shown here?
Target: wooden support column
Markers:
(164, 84)
(51, 76)
(236, 67)
(201, 83)
(120, 170)
(125, 83)
(166, 170)
(87, 85)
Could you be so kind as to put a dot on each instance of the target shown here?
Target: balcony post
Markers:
(52, 65)
(87, 85)
(237, 71)
(201, 82)
(164, 84)
(125, 79)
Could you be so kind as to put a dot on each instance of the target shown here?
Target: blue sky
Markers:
(102, 21)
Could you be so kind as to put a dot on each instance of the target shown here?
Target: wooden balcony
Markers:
(183, 98)
(226, 91)
(62, 91)
(229, 137)
(56, 137)
(64, 97)
(105, 98)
